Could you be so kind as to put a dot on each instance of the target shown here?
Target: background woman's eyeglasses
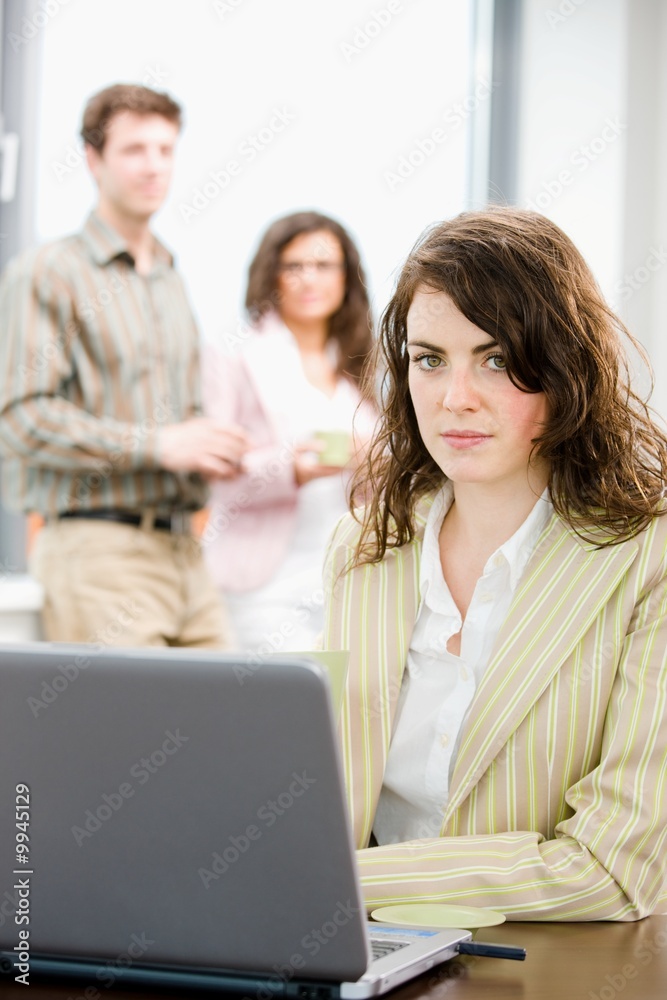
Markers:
(299, 267)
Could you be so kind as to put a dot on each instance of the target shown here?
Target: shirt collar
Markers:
(431, 570)
(516, 551)
(105, 244)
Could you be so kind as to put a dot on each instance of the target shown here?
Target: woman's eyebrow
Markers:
(425, 344)
(478, 349)
(484, 347)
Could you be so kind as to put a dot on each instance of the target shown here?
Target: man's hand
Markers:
(203, 445)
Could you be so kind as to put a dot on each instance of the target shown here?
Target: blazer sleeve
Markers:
(608, 861)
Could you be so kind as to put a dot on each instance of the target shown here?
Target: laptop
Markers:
(178, 819)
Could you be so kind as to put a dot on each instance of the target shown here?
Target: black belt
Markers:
(178, 522)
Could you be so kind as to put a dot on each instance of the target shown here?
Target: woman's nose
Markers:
(460, 391)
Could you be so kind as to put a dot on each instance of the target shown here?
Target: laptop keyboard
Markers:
(382, 948)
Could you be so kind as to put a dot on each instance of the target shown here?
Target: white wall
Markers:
(593, 149)
(573, 124)
(361, 83)
(642, 287)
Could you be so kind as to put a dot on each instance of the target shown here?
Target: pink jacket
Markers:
(253, 517)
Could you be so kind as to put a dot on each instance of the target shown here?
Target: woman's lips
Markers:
(464, 439)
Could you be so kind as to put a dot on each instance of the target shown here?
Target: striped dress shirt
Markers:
(94, 359)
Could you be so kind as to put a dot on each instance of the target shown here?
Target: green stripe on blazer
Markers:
(558, 799)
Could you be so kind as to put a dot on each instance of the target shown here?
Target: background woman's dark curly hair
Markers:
(518, 277)
(351, 325)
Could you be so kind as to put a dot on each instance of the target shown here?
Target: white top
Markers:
(321, 502)
(438, 686)
(286, 611)
(296, 407)
(298, 410)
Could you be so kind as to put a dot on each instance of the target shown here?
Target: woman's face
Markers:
(475, 423)
(311, 277)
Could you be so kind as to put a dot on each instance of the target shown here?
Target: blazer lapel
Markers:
(374, 618)
(566, 583)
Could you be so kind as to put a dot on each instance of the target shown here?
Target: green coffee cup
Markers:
(337, 447)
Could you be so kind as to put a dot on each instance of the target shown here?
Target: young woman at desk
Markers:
(504, 594)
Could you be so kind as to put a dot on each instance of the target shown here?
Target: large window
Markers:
(361, 110)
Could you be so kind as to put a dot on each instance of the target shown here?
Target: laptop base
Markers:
(170, 977)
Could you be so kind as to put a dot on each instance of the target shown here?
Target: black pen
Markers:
(491, 950)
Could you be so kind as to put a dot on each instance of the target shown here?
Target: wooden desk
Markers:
(598, 961)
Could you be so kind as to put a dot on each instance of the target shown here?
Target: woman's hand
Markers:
(306, 468)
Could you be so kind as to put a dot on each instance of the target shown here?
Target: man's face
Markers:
(134, 168)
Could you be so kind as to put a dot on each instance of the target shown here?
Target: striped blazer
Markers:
(558, 798)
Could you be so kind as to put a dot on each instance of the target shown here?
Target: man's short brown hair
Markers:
(102, 107)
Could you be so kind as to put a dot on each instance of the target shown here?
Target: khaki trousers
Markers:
(118, 585)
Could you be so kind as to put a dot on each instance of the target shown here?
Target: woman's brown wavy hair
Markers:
(351, 325)
(518, 277)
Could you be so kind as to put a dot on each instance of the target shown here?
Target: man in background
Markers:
(100, 419)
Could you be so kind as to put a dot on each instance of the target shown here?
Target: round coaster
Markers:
(438, 915)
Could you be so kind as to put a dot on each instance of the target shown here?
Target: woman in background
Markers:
(297, 373)
(503, 594)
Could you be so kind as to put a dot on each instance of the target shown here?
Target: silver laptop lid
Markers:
(183, 808)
